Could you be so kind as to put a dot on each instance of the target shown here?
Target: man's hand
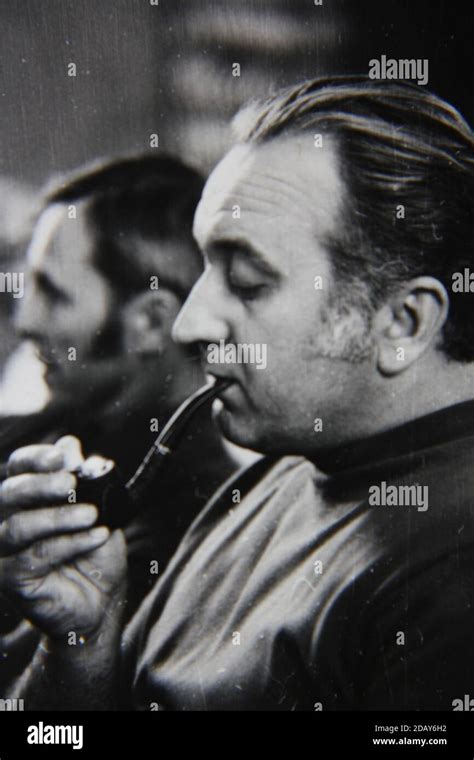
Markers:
(63, 573)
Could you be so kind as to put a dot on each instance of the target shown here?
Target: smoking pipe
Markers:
(99, 482)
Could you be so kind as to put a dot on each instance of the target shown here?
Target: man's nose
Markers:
(28, 317)
(21, 321)
(201, 319)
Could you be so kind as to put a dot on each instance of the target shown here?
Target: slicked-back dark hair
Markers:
(397, 145)
(153, 197)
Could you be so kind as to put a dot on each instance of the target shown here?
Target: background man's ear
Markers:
(410, 323)
(147, 322)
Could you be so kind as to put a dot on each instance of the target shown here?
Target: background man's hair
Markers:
(397, 145)
(152, 197)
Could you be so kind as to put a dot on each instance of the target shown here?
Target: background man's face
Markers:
(262, 225)
(69, 304)
(67, 301)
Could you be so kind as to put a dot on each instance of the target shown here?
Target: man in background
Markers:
(111, 261)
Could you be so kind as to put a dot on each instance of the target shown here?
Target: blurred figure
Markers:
(110, 263)
(18, 208)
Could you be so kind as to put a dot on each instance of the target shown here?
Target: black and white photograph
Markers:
(237, 367)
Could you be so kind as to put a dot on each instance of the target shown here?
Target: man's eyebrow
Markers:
(227, 247)
(46, 284)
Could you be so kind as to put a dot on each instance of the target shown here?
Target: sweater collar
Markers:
(437, 428)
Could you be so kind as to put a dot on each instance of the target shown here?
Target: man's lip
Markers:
(51, 362)
(42, 356)
(223, 378)
(231, 383)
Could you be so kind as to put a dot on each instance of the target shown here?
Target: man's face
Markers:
(262, 225)
(67, 302)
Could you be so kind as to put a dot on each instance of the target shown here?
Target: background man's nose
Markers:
(22, 321)
(26, 330)
(28, 318)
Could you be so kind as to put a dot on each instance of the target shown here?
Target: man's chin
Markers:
(249, 433)
(238, 429)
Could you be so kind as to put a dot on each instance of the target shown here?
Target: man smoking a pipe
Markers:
(297, 596)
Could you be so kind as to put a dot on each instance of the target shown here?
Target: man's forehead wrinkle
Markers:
(260, 196)
(273, 199)
(284, 179)
(256, 207)
(226, 183)
(292, 180)
(235, 166)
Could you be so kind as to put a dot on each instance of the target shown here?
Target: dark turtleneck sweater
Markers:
(310, 594)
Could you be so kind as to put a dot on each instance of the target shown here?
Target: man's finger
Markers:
(25, 528)
(71, 450)
(22, 491)
(38, 458)
(40, 559)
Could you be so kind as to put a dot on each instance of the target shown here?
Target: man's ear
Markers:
(147, 322)
(409, 323)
